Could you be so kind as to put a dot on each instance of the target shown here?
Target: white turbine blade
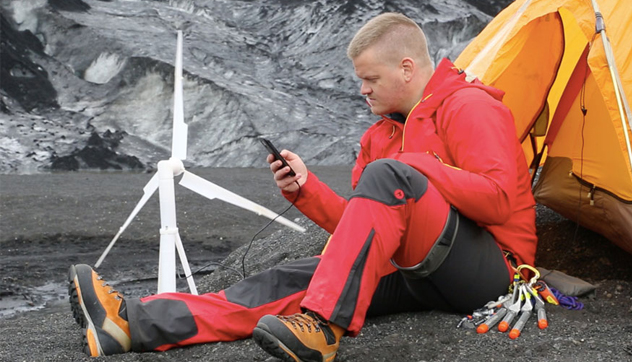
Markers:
(179, 141)
(148, 190)
(212, 191)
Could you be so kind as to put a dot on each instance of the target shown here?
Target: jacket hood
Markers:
(446, 80)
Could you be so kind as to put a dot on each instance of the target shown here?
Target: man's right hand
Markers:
(283, 180)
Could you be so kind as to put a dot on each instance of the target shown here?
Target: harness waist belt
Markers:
(437, 253)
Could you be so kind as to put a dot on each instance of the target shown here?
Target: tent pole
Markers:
(622, 101)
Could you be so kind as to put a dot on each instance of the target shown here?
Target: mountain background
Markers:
(89, 84)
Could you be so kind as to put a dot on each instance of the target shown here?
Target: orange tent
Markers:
(566, 68)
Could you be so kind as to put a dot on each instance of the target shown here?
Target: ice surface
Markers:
(251, 68)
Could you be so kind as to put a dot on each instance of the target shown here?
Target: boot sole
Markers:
(73, 295)
(83, 317)
(273, 346)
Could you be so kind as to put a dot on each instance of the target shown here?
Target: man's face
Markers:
(382, 82)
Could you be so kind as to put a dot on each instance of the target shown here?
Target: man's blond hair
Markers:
(397, 36)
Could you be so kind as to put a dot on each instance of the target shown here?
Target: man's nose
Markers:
(365, 89)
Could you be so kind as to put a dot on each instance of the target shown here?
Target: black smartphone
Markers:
(277, 156)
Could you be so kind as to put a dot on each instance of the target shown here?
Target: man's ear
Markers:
(408, 68)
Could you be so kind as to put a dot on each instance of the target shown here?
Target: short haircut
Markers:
(397, 35)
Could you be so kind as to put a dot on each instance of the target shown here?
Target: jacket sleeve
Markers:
(480, 135)
(318, 202)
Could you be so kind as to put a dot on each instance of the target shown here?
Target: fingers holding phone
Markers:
(283, 172)
(287, 167)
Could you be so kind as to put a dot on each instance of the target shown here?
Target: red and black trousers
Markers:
(398, 247)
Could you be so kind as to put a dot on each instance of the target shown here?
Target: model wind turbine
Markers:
(163, 180)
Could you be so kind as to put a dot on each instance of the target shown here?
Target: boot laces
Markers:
(303, 321)
(111, 289)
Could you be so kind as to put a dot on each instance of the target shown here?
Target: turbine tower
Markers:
(163, 180)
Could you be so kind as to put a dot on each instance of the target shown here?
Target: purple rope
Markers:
(567, 302)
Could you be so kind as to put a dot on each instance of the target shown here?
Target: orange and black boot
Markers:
(299, 337)
(101, 312)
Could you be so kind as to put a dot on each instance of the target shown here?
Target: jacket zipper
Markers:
(406, 121)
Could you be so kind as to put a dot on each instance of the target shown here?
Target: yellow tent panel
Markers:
(568, 85)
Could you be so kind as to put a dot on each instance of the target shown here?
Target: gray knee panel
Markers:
(390, 182)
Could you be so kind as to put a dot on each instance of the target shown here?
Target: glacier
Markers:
(88, 84)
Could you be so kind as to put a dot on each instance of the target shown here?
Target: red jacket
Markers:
(464, 140)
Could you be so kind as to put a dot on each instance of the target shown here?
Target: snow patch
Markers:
(24, 14)
(187, 6)
(104, 68)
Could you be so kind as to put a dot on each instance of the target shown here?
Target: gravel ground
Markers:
(49, 221)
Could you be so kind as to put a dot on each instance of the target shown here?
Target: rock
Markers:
(257, 68)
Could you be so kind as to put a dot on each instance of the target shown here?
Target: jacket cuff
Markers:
(305, 190)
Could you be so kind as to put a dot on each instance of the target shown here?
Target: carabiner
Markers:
(534, 270)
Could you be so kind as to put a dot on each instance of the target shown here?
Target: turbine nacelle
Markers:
(173, 165)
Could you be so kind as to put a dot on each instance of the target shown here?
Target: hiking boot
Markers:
(299, 337)
(101, 312)
(77, 313)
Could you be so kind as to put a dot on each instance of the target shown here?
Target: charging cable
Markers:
(242, 273)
